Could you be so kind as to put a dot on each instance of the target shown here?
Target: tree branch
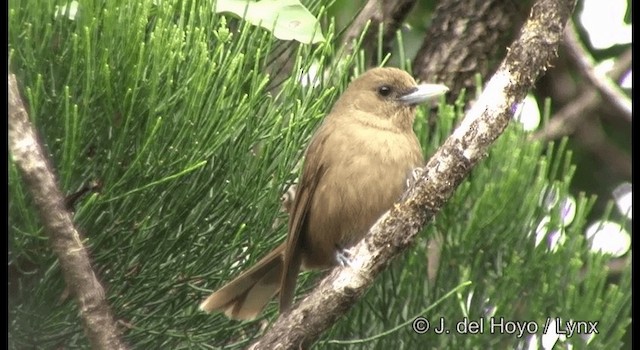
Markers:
(64, 238)
(396, 230)
(390, 14)
(464, 39)
(564, 122)
(585, 63)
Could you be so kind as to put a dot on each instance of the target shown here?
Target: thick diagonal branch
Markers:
(395, 231)
(64, 238)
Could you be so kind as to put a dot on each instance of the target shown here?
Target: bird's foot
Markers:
(288, 197)
(414, 175)
(343, 257)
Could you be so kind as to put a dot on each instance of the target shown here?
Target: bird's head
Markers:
(390, 94)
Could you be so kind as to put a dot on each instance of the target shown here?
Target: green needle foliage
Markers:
(168, 105)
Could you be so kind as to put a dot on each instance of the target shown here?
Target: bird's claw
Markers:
(343, 257)
(414, 175)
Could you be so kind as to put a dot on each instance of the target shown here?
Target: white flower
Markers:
(622, 195)
(609, 238)
(567, 210)
(528, 113)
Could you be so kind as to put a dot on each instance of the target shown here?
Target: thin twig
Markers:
(390, 14)
(585, 63)
(564, 121)
(65, 239)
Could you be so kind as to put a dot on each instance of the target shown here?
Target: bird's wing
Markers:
(312, 173)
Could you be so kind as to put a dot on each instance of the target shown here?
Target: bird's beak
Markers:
(423, 93)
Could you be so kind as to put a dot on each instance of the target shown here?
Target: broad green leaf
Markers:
(286, 19)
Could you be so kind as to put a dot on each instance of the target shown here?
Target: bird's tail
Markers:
(247, 295)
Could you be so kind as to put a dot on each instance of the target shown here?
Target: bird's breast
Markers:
(365, 174)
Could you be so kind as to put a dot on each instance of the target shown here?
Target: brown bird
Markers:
(356, 166)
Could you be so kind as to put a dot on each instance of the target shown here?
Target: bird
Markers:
(355, 168)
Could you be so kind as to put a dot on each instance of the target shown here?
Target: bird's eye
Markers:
(384, 90)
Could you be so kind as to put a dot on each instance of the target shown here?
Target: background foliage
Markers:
(170, 107)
